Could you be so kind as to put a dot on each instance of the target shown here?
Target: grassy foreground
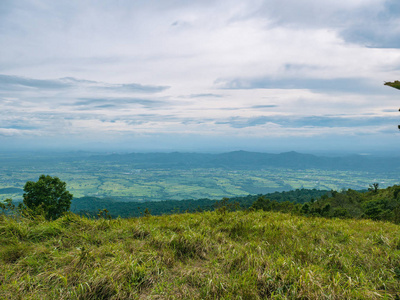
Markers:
(211, 255)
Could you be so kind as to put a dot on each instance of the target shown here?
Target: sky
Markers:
(207, 76)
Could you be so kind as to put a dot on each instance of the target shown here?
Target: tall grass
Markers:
(210, 255)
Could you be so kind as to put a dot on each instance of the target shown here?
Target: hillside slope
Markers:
(210, 255)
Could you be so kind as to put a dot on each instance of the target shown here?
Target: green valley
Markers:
(178, 176)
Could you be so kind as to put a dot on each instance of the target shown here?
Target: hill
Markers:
(209, 255)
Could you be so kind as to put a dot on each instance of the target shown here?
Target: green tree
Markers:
(374, 187)
(47, 195)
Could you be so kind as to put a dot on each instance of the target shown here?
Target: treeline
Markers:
(375, 204)
(91, 206)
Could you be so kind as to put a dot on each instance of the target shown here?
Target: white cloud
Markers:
(195, 48)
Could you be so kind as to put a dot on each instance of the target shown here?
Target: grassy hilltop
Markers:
(209, 255)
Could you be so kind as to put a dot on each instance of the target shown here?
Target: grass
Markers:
(211, 255)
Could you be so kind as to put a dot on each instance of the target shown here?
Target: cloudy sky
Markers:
(263, 75)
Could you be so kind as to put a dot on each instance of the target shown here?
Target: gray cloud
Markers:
(349, 85)
(9, 82)
(333, 121)
(264, 106)
(378, 28)
(373, 24)
(72, 80)
(106, 106)
(19, 127)
(240, 122)
(142, 118)
(370, 24)
(311, 121)
(134, 87)
(257, 107)
(310, 13)
(205, 96)
(118, 102)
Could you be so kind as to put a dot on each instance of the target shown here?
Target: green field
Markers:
(127, 182)
(183, 184)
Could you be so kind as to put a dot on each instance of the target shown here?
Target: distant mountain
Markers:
(253, 160)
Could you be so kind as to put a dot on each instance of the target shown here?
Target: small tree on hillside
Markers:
(49, 195)
(374, 187)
